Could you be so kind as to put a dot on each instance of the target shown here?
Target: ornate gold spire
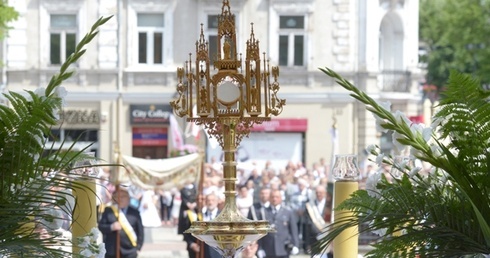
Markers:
(228, 103)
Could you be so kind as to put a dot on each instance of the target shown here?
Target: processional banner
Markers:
(163, 174)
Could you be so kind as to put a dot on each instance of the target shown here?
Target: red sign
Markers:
(417, 119)
(150, 136)
(282, 125)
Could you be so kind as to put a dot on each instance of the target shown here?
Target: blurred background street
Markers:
(164, 242)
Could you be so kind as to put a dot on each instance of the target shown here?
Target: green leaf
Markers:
(36, 181)
(443, 213)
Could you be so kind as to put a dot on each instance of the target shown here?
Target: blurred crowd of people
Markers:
(295, 199)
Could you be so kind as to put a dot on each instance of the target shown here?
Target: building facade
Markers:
(119, 97)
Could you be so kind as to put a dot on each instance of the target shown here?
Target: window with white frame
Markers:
(150, 38)
(291, 40)
(63, 37)
(78, 139)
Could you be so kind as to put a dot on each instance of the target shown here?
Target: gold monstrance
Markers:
(228, 104)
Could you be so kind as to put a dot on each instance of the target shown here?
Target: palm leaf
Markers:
(34, 179)
(443, 214)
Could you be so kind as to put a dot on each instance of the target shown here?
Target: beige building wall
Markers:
(340, 34)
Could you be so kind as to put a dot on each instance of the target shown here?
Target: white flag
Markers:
(335, 146)
(191, 128)
(175, 133)
(335, 140)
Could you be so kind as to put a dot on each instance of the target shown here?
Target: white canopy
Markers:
(162, 174)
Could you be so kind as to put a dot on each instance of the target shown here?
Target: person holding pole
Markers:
(318, 216)
(188, 193)
(121, 227)
(195, 247)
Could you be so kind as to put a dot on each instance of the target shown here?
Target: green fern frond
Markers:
(444, 214)
(468, 111)
(424, 218)
(33, 177)
(468, 129)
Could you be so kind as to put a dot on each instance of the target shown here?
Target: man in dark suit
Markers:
(125, 221)
(257, 211)
(285, 240)
(297, 203)
(209, 212)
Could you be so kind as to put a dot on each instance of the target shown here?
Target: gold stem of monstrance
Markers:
(228, 104)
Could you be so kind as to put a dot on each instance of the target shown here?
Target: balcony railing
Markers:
(394, 81)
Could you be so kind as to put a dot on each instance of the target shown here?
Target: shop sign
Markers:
(416, 119)
(80, 117)
(150, 114)
(282, 125)
(150, 136)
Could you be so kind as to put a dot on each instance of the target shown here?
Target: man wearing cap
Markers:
(124, 221)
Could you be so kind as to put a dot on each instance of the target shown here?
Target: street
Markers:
(164, 242)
